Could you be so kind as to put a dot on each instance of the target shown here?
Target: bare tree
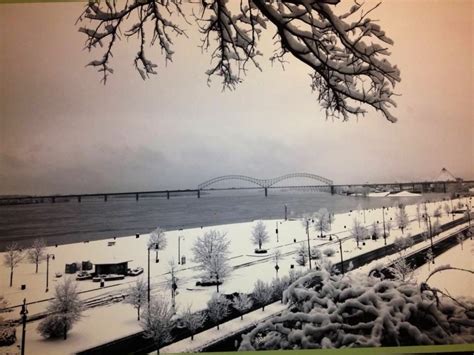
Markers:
(419, 215)
(437, 213)
(276, 259)
(36, 253)
(321, 221)
(447, 209)
(192, 320)
(65, 309)
(157, 241)
(402, 270)
(242, 303)
(218, 308)
(429, 257)
(211, 252)
(346, 52)
(401, 218)
(302, 254)
(259, 234)
(12, 257)
(262, 293)
(359, 232)
(157, 322)
(137, 295)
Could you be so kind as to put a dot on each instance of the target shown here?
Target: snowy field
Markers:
(104, 324)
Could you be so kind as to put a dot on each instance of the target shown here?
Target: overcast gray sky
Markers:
(62, 131)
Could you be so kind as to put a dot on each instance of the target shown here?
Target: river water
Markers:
(67, 222)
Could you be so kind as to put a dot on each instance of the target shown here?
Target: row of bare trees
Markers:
(14, 255)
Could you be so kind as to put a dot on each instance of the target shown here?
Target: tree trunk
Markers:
(259, 244)
(65, 331)
(156, 257)
(263, 308)
(217, 326)
(138, 312)
(241, 317)
(37, 266)
(11, 277)
(192, 336)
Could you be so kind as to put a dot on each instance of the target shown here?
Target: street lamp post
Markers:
(276, 230)
(148, 289)
(309, 246)
(24, 315)
(340, 250)
(47, 270)
(383, 219)
(428, 219)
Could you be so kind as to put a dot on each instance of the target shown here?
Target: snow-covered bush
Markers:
(262, 293)
(217, 308)
(322, 221)
(302, 255)
(192, 320)
(332, 311)
(279, 286)
(7, 331)
(156, 321)
(242, 303)
(401, 218)
(329, 252)
(65, 309)
(316, 253)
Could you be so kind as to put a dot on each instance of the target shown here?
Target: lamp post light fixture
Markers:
(24, 315)
(47, 270)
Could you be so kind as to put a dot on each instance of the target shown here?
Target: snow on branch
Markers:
(346, 53)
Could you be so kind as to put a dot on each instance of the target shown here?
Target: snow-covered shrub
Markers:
(259, 235)
(156, 321)
(332, 311)
(329, 252)
(65, 309)
(192, 320)
(217, 308)
(302, 255)
(262, 293)
(242, 303)
(7, 331)
(278, 286)
(316, 253)
(137, 295)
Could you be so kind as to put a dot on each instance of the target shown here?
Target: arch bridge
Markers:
(267, 183)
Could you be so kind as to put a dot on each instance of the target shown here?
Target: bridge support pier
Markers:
(167, 195)
(136, 197)
(333, 190)
(53, 199)
(199, 193)
(105, 198)
(79, 198)
(266, 191)
(444, 187)
(401, 187)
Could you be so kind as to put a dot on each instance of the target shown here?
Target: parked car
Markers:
(83, 275)
(135, 272)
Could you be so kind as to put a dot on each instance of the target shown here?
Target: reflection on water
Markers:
(66, 222)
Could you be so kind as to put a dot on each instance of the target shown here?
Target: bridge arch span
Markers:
(265, 183)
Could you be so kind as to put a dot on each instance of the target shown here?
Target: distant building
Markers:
(107, 267)
(445, 175)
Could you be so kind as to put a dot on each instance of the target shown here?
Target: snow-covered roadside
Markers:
(92, 331)
(453, 282)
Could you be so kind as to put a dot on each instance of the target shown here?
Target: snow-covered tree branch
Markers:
(345, 51)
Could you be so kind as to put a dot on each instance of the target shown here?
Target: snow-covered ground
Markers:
(103, 324)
